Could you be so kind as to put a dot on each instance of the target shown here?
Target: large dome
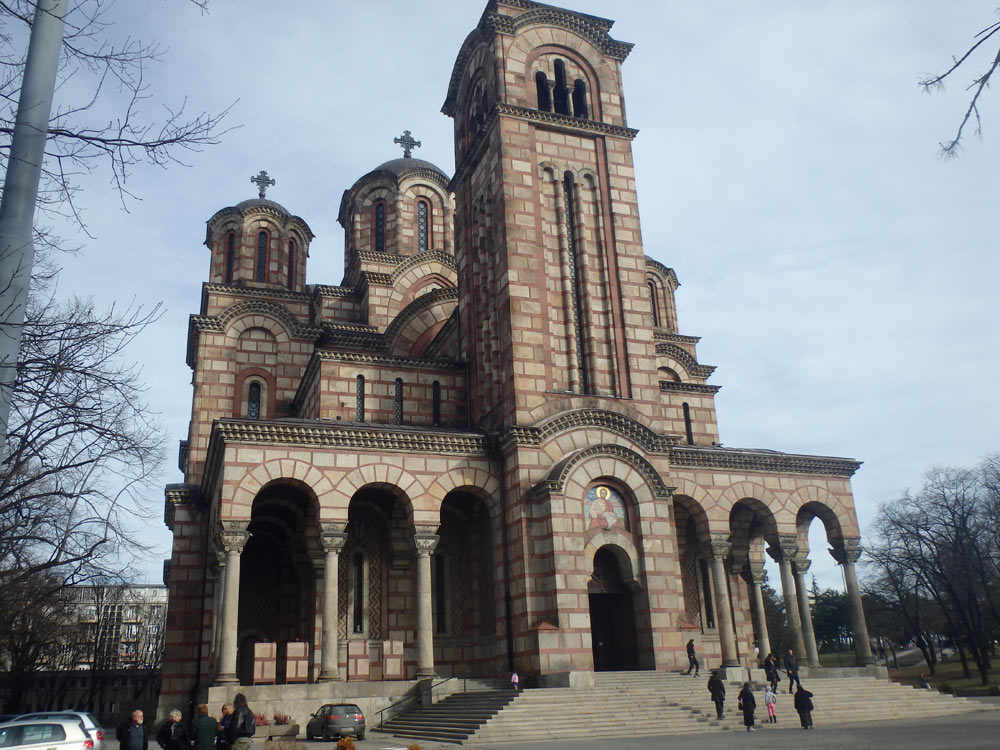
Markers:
(261, 203)
(398, 166)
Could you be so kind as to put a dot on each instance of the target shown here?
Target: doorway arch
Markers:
(612, 612)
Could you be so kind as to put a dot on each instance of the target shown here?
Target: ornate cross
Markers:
(262, 181)
(407, 142)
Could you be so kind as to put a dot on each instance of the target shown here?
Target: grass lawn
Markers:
(948, 673)
(838, 659)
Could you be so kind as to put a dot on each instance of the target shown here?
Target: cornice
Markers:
(700, 388)
(236, 290)
(374, 278)
(341, 292)
(374, 256)
(620, 424)
(661, 334)
(179, 494)
(665, 271)
(752, 460)
(390, 360)
(567, 123)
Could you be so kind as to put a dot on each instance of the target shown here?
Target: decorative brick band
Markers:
(567, 122)
(668, 274)
(584, 418)
(374, 278)
(561, 471)
(688, 362)
(770, 461)
(255, 291)
(407, 262)
(662, 334)
(701, 388)
(385, 359)
(341, 292)
(179, 494)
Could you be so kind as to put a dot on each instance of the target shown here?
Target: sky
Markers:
(841, 275)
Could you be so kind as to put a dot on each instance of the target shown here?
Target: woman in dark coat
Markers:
(748, 704)
(772, 671)
(718, 690)
(804, 706)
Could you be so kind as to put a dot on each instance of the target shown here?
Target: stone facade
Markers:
(489, 447)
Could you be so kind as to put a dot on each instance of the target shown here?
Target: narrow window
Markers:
(439, 603)
(687, 423)
(436, 402)
(380, 226)
(575, 278)
(653, 307)
(359, 407)
(261, 256)
(359, 594)
(560, 95)
(706, 594)
(291, 264)
(253, 401)
(544, 93)
(399, 401)
(580, 99)
(423, 220)
(230, 256)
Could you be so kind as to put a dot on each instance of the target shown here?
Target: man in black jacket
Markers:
(792, 670)
(132, 734)
(241, 725)
(173, 735)
(718, 690)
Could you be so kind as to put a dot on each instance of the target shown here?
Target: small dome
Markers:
(261, 203)
(398, 166)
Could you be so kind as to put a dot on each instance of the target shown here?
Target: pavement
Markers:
(976, 731)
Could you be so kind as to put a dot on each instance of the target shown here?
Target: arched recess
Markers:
(691, 529)
(424, 313)
(827, 515)
(277, 602)
(617, 644)
(751, 525)
(420, 508)
(466, 585)
(238, 495)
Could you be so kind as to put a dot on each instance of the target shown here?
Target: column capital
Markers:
(756, 574)
(801, 565)
(784, 549)
(719, 548)
(846, 551)
(233, 536)
(332, 540)
(424, 544)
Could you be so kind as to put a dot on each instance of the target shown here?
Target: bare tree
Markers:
(984, 39)
(83, 449)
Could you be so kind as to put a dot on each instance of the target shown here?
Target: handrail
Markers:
(409, 698)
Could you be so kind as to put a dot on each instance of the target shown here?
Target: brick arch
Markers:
(408, 487)
(812, 502)
(742, 515)
(612, 461)
(259, 314)
(541, 41)
(684, 360)
(623, 548)
(429, 310)
(763, 501)
(477, 480)
(255, 479)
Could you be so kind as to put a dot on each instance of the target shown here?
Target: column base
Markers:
(424, 674)
(226, 679)
(329, 676)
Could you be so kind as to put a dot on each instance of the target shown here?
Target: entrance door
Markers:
(612, 618)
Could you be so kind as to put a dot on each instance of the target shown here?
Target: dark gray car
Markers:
(336, 720)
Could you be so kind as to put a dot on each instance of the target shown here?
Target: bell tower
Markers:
(555, 304)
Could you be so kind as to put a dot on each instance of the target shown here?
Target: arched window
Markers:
(580, 99)
(423, 225)
(687, 424)
(706, 594)
(436, 403)
(359, 390)
(291, 264)
(253, 400)
(230, 257)
(261, 267)
(399, 401)
(575, 280)
(544, 93)
(380, 226)
(653, 307)
(560, 96)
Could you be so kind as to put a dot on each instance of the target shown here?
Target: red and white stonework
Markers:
(490, 447)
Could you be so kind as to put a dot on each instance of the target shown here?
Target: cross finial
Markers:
(262, 181)
(407, 142)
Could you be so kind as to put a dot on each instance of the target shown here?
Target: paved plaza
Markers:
(967, 732)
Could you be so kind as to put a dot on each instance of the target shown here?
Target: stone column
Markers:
(755, 577)
(805, 611)
(233, 538)
(782, 555)
(723, 613)
(424, 545)
(332, 538)
(846, 554)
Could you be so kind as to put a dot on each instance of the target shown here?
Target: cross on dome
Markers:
(262, 181)
(407, 142)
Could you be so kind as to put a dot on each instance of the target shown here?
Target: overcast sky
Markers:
(841, 276)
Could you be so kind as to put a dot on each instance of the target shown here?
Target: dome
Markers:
(262, 203)
(398, 166)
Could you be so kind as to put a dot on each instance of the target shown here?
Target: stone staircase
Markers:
(633, 704)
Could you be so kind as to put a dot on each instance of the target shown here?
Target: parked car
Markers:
(90, 724)
(336, 720)
(52, 734)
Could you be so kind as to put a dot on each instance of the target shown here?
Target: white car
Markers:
(45, 734)
(90, 724)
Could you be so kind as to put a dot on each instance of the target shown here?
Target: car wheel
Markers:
(361, 736)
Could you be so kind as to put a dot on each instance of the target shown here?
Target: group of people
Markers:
(748, 703)
(232, 732)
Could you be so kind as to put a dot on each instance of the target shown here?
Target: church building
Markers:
(491, 447)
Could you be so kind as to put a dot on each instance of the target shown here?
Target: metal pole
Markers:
(20, 190)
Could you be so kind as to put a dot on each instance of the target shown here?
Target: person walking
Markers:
(204, 729)
(770, 702)
(772, 671)
(804, 707)
(515, 681)
(747, 704)
(692, 659)
(792, 670)
(132, 733)
(241, 725)
(718, 690)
